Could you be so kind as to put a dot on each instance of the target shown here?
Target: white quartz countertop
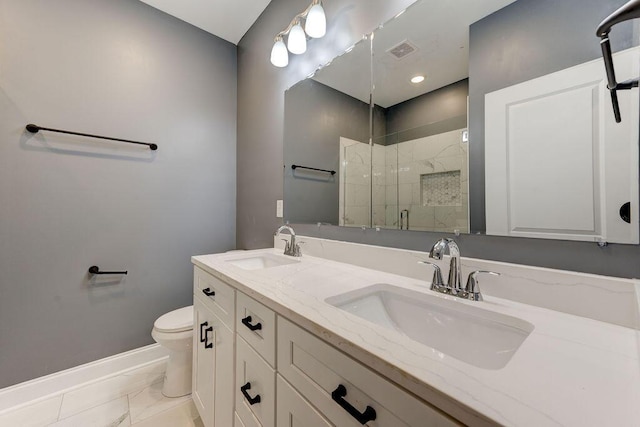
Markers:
(570, 371)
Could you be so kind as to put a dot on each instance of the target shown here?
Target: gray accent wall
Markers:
(316, 116)
(117, 68)
(260, 115)
(525, 40)
(435, 112)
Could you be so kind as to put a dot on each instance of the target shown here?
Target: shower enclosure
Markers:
(410, 180)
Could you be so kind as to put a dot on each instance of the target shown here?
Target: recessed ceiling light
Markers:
(417, 79)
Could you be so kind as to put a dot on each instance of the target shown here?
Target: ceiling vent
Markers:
(402, 49)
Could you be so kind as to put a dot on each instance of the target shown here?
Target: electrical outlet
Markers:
(279, 208)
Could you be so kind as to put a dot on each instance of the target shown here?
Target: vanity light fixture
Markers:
(315, 26)
(297, 40)
(417, 79)
(279, 55)
(316, 22)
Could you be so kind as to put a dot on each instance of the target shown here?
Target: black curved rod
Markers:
(294, 167)
(35, 129)
(94, 269)
(629, 10)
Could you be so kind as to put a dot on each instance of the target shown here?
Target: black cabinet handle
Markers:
(208, 344)
(251, 400)
(202, 333)
(247, 322)
(208, 292)
(338, 396)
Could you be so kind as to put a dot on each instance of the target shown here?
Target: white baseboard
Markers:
(60, 382)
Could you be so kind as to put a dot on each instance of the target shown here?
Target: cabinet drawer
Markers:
(294, 411)
(219, 296)
(258, 380)
(317, 370)
(257, 325)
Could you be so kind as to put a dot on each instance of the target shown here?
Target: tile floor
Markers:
(130, 398)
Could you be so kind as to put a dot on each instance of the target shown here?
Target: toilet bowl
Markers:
(174, 331)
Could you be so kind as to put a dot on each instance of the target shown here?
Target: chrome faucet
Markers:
(454, 284)
(472, 291)
(454, 287)
(291, 248)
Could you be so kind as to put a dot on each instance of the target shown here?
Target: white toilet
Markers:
(174, 331)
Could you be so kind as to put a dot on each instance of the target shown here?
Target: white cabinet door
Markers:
(557, 165)
(213, 350)
(255, 388)
(294, 411)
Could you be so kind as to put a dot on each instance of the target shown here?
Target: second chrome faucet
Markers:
(454, 284)
(291, 247)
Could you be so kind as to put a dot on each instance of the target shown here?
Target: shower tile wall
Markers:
(401, 173)
(409, 166)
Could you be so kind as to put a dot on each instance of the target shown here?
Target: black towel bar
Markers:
(94, 269)
(35, 129)
(294, 167)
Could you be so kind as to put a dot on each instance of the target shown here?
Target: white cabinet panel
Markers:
(294, 411)
(213, 351)
(251, 315)
(220, 297)
(557, 165)
(316, 370)
(254, 372)
(203, 364)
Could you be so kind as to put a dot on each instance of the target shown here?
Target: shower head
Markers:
(629, 10)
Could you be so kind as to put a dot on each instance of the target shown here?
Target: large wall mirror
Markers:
(474, 117)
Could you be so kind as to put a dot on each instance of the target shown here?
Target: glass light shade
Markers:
(297, 41)
(316, 24)
(279, 54)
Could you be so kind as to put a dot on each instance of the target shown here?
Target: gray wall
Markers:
(124, 69)
(260, 131)
(525, 40)
(261, 89)
(315, 118)
(439, 111)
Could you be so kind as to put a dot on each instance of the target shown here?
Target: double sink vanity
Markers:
(349, 334)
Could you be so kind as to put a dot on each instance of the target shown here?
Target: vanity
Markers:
(313, 341)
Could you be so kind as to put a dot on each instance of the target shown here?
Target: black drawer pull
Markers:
(202, 332)
(251, 400)
(208, 344)
(338, 396)
(208, 292)
(247, 322)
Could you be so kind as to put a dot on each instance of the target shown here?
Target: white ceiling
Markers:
(227, 19)
(440, 31)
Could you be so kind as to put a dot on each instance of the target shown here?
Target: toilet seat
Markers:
(179, 320)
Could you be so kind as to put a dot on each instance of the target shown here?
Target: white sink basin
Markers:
(259, 262)
(471, 334)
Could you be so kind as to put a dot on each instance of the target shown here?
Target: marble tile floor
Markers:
(130, 398)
